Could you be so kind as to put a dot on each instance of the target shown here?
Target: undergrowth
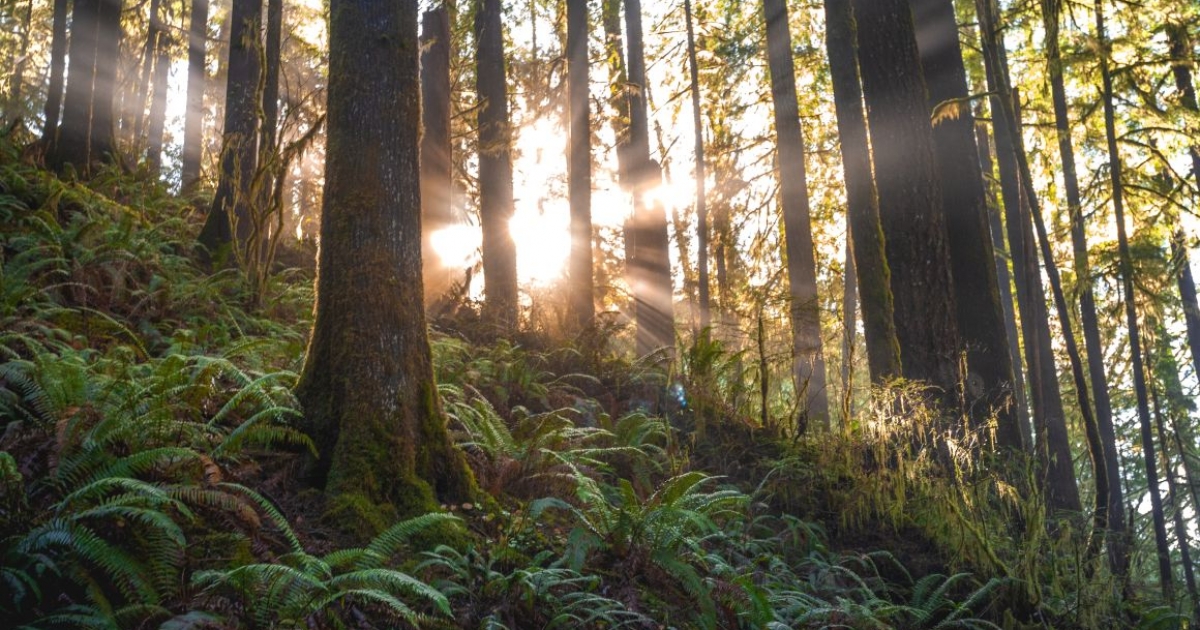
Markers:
(148, 466)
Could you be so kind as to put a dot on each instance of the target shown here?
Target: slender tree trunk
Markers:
(909, 196)
(270, 98)
(1180, 49)
(495, 167)
(436, 151)
(849, 331)
(15, 94)
(58, 62)
(582, 306)
(989, 378)
(1118, 546)
(149, 55)
(1052, 441)
(808, 359)
(158, 106)
(230, 214)
(1126, 265)
(1004, 284)
(193, 125)
(701, 198)
(653, 292)
(862, 205)
(367, 387)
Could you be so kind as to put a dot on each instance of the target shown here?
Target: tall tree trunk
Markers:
(495, 167)
(231, 207)
(270, 97)
(1004, 284)
(581, 303)
(15, 93)
(436, 151)
(862, 205)
(808, 361)
(1180, 49)
(699, 174)
(193, 123)
(909, 196)
(1126, 265)
(149, 55)
(653, 292)
(849, 333)
(85, 135)
(370, 401)
(158, 106)
(989, 378)
(1118, 545)
(1052, 440)
(58, 62)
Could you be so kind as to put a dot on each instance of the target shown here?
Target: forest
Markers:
(646, 314)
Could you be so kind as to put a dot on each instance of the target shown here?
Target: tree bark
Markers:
(495, 167)
(193, 125)
(1004, 283)
(158, 106)
(699, 174)
(17, 108)
(230, 214)
(862, 205)
(909, 196)
(849, 332)
(1052, 441)
(1180, 48)
(269, 151)
(367, 387)
(654, 295)
(58, 62)
(989, 378)
(808, 360)
(581, 304)
(149, 56)
(85, 135)
(436, 150)
(1135, 350)
(1118, 545)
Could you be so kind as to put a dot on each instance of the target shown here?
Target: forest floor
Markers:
(149, 467)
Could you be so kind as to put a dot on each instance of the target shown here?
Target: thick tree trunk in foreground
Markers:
(1118, 544)
(808, 369)
(989, 379)
(369, 397)
(495, 167)
(193, 124)
(581, 307)
(231, 206)
(1052, 442)
(909, 196)
(1135, 343)
(58, 62)
(436, 150)
(699, 174)
(862, 206)
(653, 292)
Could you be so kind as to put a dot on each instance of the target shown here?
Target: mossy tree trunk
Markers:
(193, 124)
(862, 204)
(703, 299)
(229, 215)
(989, 378)
(581, 305)
(436, 166)
(909, 196)
(370, 401)
(807, 354)
(495, 167)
